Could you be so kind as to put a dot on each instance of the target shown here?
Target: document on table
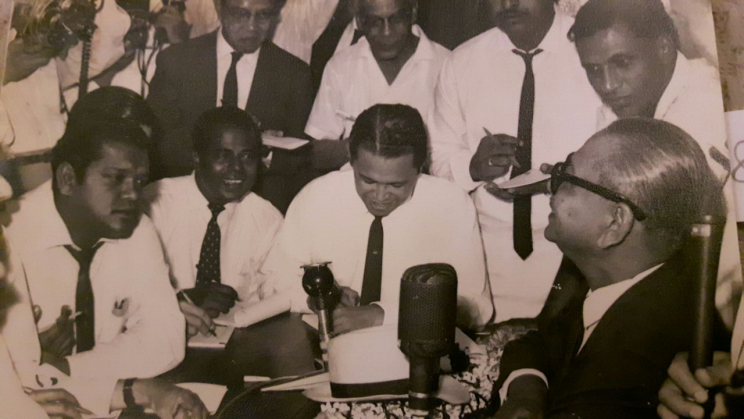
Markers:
(286, 143)
(223, 335)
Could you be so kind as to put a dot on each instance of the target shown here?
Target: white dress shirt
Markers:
(248, 227)
(328, 222)
(596, 304)
(139, 329)
(480, 87)
(246, 69)
(16, 404)
(693, 102)
(352, 82)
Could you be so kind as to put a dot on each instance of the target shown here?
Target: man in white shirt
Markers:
(236, 65)
(485, 88)
(623, 206)
(377, 220)
(227, 153)
(630, 53)
(95, 302)
(393, 62)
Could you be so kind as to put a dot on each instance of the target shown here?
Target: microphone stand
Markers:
(320, 285)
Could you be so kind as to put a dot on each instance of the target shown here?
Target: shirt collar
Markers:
(198, 200)
(224, 49)
(424, 50)
(597, 302)
(677, 84)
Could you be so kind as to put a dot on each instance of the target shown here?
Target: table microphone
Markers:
(320, 285)
(426, 328)
(702, 252)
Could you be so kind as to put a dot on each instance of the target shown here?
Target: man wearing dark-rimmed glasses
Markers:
(621, 209)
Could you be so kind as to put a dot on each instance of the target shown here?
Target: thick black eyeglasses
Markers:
(558, 175)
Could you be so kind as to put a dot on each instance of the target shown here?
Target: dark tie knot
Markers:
(236, 56)
(84, 257)
(216, 209)
(527, 56)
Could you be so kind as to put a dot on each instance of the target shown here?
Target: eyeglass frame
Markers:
(558, 175)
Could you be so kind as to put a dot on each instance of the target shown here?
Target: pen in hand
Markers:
(188, 300)
(512, 159)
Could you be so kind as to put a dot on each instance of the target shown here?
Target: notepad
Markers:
(223, 335)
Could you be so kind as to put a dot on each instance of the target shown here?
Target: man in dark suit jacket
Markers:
(622, 207)
(236, 62)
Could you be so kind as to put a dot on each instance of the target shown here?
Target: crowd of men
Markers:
(164, 212)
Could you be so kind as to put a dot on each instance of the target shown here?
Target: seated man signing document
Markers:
(376, 221)
(214, 230)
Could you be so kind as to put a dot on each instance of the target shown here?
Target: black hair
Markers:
(390, 131)
(645, 18)
(82, 143)
(212, 123)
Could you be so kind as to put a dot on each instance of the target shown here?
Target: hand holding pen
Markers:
(494, 157)
(197, 319)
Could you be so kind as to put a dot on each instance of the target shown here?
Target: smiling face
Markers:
(226, 170)
(384, 183)
(386, 24)
(577, 215)
(628, 72)
(108, 196)
(246, 24)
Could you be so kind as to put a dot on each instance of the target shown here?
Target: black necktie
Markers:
(523, 204)
(84, 301)
(372, 284)
(230, 88)
(208, 268)
(357, 36)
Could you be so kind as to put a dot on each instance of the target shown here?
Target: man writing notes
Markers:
(95, 302)
(393, 62)
(622, 207)
(237, 65)
(377, 220)
(214, 230)
(629, 49)
(521, 81)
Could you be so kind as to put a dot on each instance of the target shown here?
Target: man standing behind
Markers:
(392, 62)
(237, 65)
(622, 207)
(378, 220)
(523, 82)
(214, 230)
(88, 268)
(629, 49)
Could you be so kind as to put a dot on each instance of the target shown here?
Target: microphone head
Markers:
(428, 309)
(318, 280)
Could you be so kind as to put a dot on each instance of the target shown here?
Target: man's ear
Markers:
(65, 178)
(620, 222)
(665, 46)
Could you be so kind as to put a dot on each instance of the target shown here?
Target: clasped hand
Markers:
(683, 393)
(349, 315)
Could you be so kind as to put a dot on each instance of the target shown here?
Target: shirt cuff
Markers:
(504, 390)
(460, 167)
(391, 312)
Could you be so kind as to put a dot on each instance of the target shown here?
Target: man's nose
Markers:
(386, 27)
(381, 192)
(611, 81)
(508, 4)
(130, 190)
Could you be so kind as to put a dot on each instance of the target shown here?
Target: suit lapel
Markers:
(261, 88)
(207, 65)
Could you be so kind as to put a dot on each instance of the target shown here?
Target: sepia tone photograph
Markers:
(328, 209)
